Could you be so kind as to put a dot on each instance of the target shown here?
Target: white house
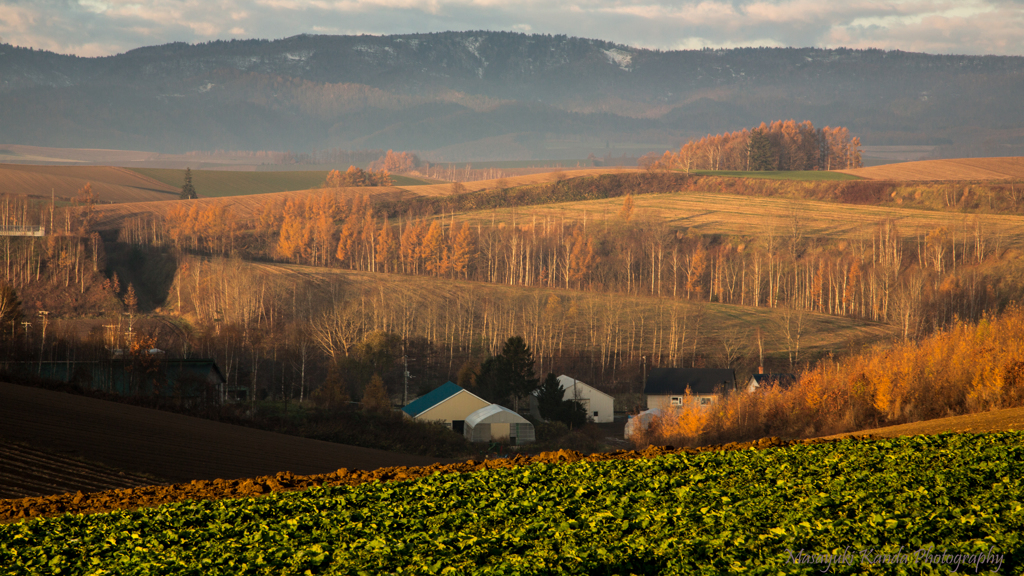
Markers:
(600, 407)
(496, 422)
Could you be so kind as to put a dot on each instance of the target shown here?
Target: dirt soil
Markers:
(26, 471)
(170, 446)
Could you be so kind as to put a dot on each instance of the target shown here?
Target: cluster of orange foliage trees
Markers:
(917, 283)
(395, 162)
(789, 146)
(356, 177)
(966, 368)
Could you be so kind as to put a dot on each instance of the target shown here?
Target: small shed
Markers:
(639, 423)
(449, 404)
(496, 422)
(600, 407)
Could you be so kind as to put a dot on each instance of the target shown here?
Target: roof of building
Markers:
(698, 380)
(494, 414)
(432, 398)
(567, 382)
(779, 379)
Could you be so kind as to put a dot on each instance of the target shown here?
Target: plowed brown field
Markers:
(108, 183)
(955, 169)
(26, 471)
(170, 446)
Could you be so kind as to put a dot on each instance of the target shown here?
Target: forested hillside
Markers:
(484, 95)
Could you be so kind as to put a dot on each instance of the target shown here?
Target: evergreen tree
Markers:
(762, 156)
(553, 408)
(549, 397)
(188, 191)
(509, 374)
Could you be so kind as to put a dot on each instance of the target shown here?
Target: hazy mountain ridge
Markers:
(430, 91)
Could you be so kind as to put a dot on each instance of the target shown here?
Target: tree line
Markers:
(781, 145)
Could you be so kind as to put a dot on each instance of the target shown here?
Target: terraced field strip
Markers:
(710, 213)
(110, 184)
(27, 471)
(920, 505)
(953, 169)
(111, 217)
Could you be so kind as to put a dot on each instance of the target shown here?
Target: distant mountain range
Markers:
(497, 95)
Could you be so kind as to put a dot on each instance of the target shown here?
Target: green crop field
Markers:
(917, 505)
(221, 183)
(780, 175)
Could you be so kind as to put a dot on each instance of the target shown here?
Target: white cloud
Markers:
(91, 27)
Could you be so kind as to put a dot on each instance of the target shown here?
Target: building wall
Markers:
(664, 402)
(457, 407)
(603, 404)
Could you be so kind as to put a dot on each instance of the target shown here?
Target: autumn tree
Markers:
(375, 397)
(10, 309)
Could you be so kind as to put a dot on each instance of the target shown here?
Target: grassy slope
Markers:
(220, 183)
(822, 333)
(712, 213)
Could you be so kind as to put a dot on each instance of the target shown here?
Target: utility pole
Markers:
(405, 377)
(643, 361)
(42, 345)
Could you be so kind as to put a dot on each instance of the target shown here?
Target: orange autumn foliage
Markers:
(967, 368)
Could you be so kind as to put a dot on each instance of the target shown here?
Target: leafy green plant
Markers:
(851, 507)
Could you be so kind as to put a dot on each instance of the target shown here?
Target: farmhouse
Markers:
(448, 403)
(600, 407)
(667, 387)
(781, 380)
(496, 422)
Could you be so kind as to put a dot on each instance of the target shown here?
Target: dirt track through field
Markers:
(171, 446)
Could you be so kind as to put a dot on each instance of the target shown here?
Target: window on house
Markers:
(705, 400)
(595, 414)
(677, 401)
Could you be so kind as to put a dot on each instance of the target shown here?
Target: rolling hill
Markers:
(951, 169)
(109, 184)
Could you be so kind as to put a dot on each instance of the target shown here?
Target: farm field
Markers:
(109, 184)
(780, 175)
(27, 471)
(108, 217)
(954, 169)
(709, 213)
(942, 504)
(221, 183)
(822, 332)
(171, 446)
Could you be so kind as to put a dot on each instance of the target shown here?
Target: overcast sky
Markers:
(103, 27)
